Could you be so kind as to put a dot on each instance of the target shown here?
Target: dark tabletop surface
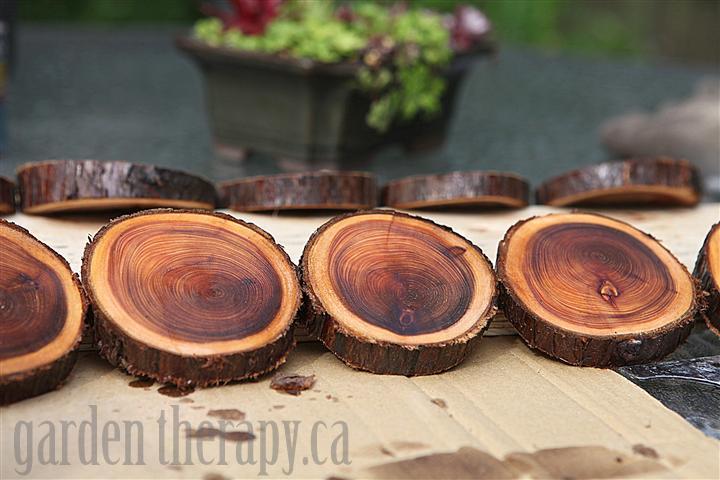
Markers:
(127, 94)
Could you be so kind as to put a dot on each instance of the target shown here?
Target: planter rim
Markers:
(203, 51)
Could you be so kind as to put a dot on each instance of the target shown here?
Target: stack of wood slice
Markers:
(42, 314)
(88, 185)
(650, 181)
(190, 298)
(7, 196)
(458, 189)
(393, 293)
(590, 290)
(707, 271)
(323, 190)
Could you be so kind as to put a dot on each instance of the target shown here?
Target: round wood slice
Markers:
(90, 185)
(7, 196)
(42, 314)
(654, 181)
(191, 298)
(458, 189)
(590, 290)
(396, 294)
(707, 271)
(324, 190)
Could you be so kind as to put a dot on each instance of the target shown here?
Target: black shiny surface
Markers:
(688, 382)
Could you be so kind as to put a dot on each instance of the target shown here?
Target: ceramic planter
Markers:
(300, 109)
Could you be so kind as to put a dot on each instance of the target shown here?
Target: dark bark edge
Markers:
(590, 350)
(384, 357)
(136, 358)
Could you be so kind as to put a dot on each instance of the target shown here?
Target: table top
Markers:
(505, 408)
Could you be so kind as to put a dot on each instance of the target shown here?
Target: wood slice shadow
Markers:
(192, 298)
(301, 192)
(458, 190)
(393, 293)
(594, 291)
(636, 182)
(42, 316)
(57, 186)
(707, 271)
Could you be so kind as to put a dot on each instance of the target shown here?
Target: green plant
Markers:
(402, 50)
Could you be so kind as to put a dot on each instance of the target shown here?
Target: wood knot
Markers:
(456, 251)
(608, 292)
(407, 317)
(29, 281)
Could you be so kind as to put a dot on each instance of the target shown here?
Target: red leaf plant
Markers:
(250, 16)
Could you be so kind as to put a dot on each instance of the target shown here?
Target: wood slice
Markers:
(7, 196)
(590, 290)
(458, 189)
(324, 190)
(191, 298)
(707, 271)
(650, 181)
(42, 314)
(393, 293)
(91, 185)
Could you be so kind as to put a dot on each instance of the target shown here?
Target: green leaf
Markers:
(407, 82)
(209, 30)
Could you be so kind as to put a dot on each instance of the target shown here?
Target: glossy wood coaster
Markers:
(393, 293)
(590, 290)
(649, 181)
(458, 189)
(191, 298)
(42, 314)
(323, 190)
(7, 196)
(90, 185)
(707, 271)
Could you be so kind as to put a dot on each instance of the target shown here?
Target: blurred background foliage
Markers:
(684, 30)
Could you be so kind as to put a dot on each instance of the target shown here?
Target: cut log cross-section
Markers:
(590, 290)
(7, 196)
(190, 298)
(88, 185)
(458, 189)
(42, 314)
(707, 271)
(645, 181)
(323, 190)
(396, 294)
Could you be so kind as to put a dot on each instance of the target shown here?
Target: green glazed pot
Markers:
(300, 109)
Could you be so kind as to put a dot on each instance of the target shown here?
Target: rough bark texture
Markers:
(322, 190)
(588, 350)
(709, 284)
(61, 184)
(480, 189)
(42, 380)
(653, 181)
(381, 357)
(582, 349)
(7, 196)
(393, 359)
(137, 358)
(140, 360)
(36, 381)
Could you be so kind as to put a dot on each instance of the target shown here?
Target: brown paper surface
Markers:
(506, 412)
